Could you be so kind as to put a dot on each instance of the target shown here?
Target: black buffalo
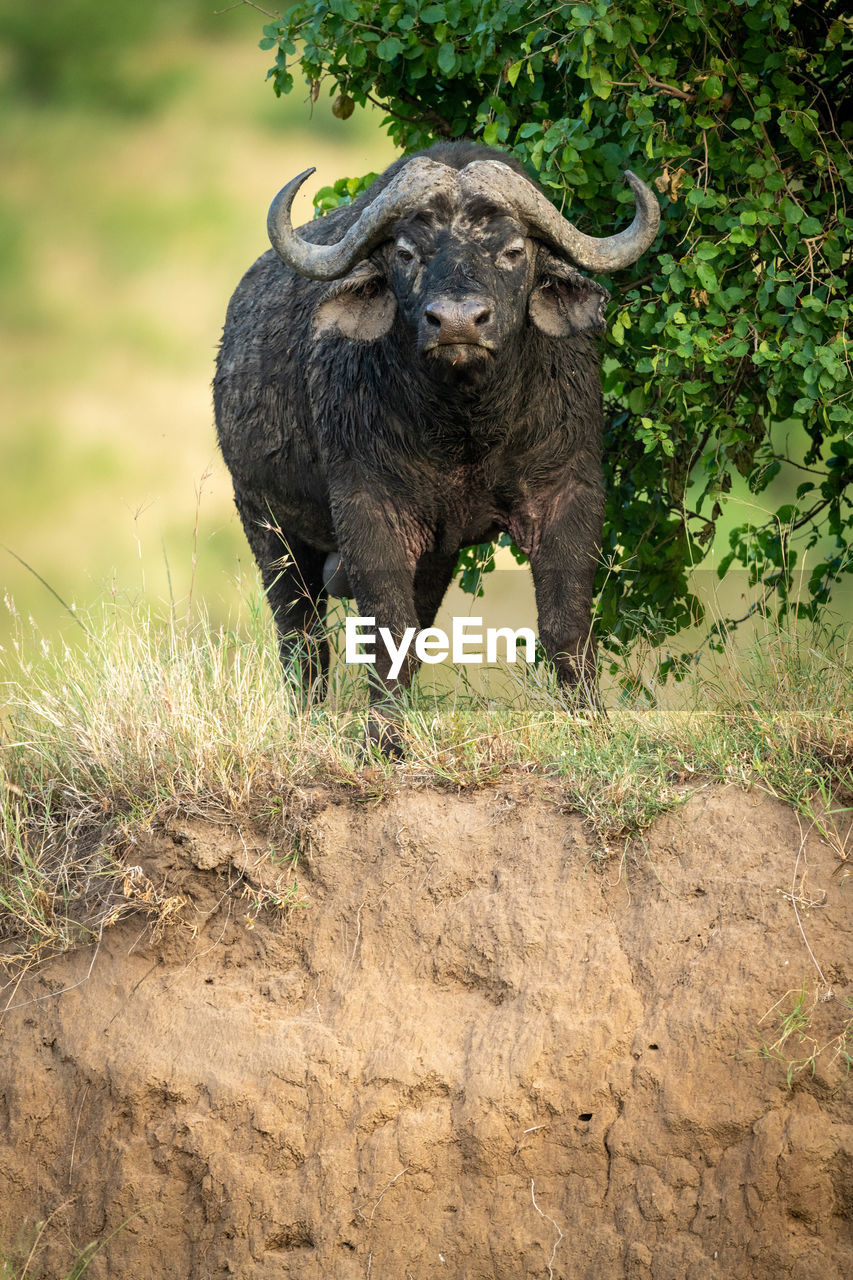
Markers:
(413, 374)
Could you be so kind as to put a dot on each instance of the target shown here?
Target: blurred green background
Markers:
(139, 149)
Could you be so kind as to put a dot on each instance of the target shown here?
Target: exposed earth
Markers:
(476, 1048)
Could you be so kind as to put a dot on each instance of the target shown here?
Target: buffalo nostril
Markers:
(455, 320)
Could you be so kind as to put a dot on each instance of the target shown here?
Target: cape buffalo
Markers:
(413, 374)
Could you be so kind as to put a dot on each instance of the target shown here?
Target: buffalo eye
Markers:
(512, 255)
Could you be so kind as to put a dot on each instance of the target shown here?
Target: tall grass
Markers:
(170, 711)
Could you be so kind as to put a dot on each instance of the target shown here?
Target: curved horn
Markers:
(331, 261)
(505, 186)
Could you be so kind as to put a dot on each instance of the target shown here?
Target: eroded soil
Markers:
(476, 1050)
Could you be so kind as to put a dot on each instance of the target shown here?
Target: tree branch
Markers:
(682, 94)
(430, 117)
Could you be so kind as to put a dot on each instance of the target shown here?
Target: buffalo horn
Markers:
(505, 187)
(490, 178)
(419, 178)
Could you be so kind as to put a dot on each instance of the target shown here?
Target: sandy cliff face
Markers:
(475, 1052)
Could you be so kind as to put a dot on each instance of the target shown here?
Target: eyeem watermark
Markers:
(464, 645)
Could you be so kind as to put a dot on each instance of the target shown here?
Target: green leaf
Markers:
(600, 81)
(388, 48)
(447, 59)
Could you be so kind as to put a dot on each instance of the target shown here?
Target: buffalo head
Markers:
(465, 257)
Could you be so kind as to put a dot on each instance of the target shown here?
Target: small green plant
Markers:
(261, 897)
(795, 1045)
(18, 1263)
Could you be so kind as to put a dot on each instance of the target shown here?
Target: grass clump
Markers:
(19, 1261)
(792, 1040)
(148, 712)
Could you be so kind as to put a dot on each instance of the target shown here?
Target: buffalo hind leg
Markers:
(563, 567)
(292, 574)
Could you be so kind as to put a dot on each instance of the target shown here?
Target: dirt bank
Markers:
(476, 1051)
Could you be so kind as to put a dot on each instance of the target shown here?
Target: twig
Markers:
(53, 592)
(250, 4)
(384, 1189)
(383, 106)
(553, 1224)
(387, 1187)
(540, 19)
(50, 995)
(794, 904)
(357, 934)
(76, 1131)
(430, 116)
(669, 89)
(208, 472)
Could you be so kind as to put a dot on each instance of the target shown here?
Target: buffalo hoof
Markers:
(335, 578)
(583, 700)
(384, 736)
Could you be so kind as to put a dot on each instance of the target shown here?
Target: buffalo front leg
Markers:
(380, 565)
(563, 563)
(433, 575)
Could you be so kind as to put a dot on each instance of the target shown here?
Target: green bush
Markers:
(727, 347)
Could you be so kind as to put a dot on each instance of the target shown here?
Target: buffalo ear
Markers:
(360, 306)
(563, 301)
